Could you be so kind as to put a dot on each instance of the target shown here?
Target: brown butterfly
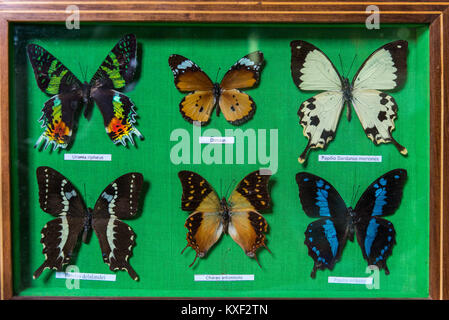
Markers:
(239, 216)
(237, 107)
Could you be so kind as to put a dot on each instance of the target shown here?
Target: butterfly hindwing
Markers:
(121, 197)
(117, 240)
(118, 115)
(376, 237)
(319, 117)
(237, 106)
(58, 197)
(377, 111)
(119, 66)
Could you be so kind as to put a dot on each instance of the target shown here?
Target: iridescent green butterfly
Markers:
(69, 93)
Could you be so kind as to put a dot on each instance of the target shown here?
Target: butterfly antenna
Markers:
(352, 63)
(341, 64)
(355, 195)
(216, 77)
(229, 187)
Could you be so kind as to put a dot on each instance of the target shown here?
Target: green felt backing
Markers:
(159, 226)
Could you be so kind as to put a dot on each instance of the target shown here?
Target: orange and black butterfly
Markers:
(238, 216)
(237, 107)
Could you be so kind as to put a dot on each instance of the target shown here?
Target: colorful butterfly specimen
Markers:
(239, 216)
(237, 107)
(58, 197)
(69, 94)
(384, 69)
(327, 236)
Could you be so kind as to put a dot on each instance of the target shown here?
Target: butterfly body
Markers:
(58, 197)
(384, 69)
(236, 106)
(327, 236)
(238, 216)
(68, 94)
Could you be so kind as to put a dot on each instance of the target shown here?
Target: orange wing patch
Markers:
(197, 106)
(238, 79)
(237, 107)
(247, 229)
(204, 231)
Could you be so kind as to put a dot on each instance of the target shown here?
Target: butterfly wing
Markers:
(325, 239)
(118, 115)
(376, 236)
(238, 107)
(119, 66)
(51, 75)
(189, 77)
(58, 113)
(117, 71)
(119, 200)
(319, 117)
(311, 69)
(205, 224)
(58, 197)
(247, 226)
(384, 69)
(319, 198)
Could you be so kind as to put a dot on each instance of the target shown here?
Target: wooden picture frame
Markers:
(435, 14)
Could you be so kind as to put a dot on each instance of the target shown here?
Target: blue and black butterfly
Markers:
(327, 236)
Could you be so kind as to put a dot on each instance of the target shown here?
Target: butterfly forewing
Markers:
(377, 111)
(319, 117)
(245, 73)
(119, 66)
(52, 76)
(311, 69)
(383, 196)
(118, 115)
(197, 193)
(252, 192)
(188, 75)
(319, 198)
(121, 197)
(58, 197)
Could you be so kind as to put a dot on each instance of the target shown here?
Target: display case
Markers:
(215, 35)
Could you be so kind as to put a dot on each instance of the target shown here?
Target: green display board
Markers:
(272, 139)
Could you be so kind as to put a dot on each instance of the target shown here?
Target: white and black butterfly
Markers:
(384, 69)
(327, 236)
(58, 197)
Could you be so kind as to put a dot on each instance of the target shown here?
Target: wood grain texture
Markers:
(435, 13)
(6, 291)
